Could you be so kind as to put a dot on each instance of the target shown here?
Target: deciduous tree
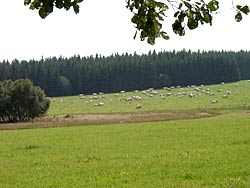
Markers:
(148, 15)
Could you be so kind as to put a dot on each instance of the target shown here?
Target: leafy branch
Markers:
(148, 15)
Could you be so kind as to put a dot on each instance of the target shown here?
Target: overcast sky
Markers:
(104, 27)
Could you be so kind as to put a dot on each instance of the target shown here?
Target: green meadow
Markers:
(208, 152)
(239, 98)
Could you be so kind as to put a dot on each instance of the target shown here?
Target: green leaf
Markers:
(245, 9)
(59, 4)
(27, 2)
(207, 18)
(213, 5)
(188, 5)
(238, 17)
(238, 7)
(76, 8)
(180, 5)
(164, 35)
(178, 28)
(192, 23)
(43, 12)
(151, 40)
(176, 14)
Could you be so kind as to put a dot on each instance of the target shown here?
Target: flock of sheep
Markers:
(178, 91)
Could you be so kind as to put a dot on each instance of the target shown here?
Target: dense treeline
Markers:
(20, 100)
(71, 76)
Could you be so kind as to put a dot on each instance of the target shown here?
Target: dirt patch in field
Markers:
(104, 119)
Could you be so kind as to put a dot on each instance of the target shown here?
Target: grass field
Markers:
(239, 98)
(209, 152)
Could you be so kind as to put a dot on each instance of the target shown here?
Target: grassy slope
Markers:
(74, 105)
(211, 152)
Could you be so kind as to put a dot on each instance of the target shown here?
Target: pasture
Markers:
(211, 152)
(239, 98)
(208, 152)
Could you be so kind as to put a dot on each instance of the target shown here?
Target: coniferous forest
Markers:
(75, 75)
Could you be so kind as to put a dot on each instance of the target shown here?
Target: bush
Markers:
(20, 100)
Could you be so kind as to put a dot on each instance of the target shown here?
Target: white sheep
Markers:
(99, 104)
(215, 101)
(225, 96)
(138, 106)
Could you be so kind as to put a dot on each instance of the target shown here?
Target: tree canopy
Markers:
(20, 100)
(148, 15)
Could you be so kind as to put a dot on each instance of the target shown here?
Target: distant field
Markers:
(210, 152)
(238, 99)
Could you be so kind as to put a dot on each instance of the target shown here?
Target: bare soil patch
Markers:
(104, 119)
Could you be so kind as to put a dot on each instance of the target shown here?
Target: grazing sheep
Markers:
(167, 88)
(163, 97)
(191, 95)
(138, 106)
(215, 101)
(219, 90)
(211, 94)
(222, 83)
(225, 96)
(180, 96)
(236, 85)
(94, 97)
(99, 104)
(102, 96)
(169, 94)
(129, 99)
(136, 98)
(197, 89)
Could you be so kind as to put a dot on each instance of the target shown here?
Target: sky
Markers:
(104, 27)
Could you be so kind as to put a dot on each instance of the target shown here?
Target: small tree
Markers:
(64, 86)
(21, 100)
